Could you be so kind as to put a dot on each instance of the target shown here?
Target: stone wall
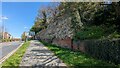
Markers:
(59, 28)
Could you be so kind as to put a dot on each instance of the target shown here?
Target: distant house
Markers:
(7, 35)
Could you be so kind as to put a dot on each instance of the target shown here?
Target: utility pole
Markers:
(2, 30)
(3, 27)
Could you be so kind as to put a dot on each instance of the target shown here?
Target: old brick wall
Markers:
(79, 46)
(66, 43)
(100, 49)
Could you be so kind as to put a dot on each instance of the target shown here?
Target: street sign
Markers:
(26, 33)
(31, 33)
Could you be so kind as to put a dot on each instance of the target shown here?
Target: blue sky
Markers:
(20, 15)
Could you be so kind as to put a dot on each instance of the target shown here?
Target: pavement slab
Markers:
(37, 55)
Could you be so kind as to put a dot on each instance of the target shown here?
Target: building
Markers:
(0, 33)
(0, 36)
(7, 35)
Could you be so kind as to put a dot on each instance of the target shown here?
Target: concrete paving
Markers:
(37, 55)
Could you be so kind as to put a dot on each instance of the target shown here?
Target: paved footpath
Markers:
(37, 55)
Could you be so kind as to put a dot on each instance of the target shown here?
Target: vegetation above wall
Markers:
(96, 32)
(88, 20)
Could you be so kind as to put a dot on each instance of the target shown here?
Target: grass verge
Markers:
(16, 58)
(77, 59)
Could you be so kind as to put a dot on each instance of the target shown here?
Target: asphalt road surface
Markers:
(6, 48)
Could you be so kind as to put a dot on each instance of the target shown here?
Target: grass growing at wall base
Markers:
(16, 58)
(77, 59)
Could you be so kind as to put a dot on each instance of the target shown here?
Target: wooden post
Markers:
(72, 44)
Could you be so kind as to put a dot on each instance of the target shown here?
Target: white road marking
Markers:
(7, 56)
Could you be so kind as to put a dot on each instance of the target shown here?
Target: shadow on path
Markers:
(37, 55)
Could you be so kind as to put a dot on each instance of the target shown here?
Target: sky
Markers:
(20, 16)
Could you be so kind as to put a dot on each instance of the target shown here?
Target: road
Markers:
(6, 48)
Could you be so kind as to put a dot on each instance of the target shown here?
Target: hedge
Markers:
(108, 50)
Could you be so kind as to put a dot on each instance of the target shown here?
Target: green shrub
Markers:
(108, 50)
(89, 33)
(96, 32)
(6, 40)
(114, 35)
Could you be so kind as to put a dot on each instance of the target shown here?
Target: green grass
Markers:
(16, 58)
(77, 59)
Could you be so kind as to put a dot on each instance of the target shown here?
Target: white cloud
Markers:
(3, 17)
(0, 20)
(57, 0)
(25, 27)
